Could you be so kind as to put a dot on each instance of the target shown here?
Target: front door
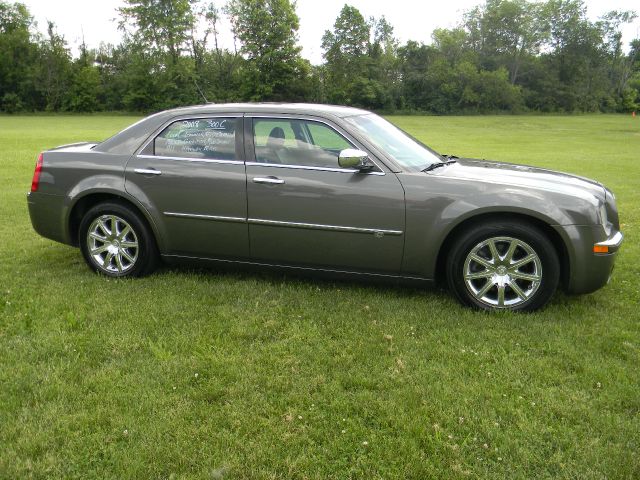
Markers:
(303, 209)
(191, 177)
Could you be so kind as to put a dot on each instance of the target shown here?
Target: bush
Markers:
(11, 103)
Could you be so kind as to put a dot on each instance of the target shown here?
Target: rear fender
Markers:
(111, 186)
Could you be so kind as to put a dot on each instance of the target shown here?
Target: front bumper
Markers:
(588, 271)
(612, 244)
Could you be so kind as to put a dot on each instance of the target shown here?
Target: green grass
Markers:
(205, 374)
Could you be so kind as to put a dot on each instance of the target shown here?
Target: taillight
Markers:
(36, 174)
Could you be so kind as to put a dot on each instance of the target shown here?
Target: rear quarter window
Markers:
(209, 138)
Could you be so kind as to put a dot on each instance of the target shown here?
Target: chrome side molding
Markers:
(217, 218)
(378, 232)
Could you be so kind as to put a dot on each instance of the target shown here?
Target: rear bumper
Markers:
(46, 213)
(589, 271)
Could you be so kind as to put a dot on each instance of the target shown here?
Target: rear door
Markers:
(306, 210)
(191, 176)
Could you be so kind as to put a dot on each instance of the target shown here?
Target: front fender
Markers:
(436, 206)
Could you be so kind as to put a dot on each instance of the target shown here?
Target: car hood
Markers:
(522, 176)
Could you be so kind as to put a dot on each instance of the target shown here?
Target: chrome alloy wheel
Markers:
(112, 244)
(502, 272)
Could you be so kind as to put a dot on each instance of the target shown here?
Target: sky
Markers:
(411, 19)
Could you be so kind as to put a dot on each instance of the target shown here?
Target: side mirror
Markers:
(352, 158)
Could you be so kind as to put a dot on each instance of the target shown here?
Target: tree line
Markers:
(503, 56)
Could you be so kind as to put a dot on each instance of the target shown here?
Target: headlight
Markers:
(609, 193)
(604, 221)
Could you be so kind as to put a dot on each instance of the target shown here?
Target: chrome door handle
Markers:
(269, 180)
(147, 171)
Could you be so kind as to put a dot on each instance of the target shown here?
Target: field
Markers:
(204, 374)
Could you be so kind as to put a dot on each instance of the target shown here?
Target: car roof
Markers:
(270, 107)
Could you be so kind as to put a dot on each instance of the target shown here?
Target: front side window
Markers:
(209, 138)
(297, 142)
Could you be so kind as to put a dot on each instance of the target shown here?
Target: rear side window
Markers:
(209, 138)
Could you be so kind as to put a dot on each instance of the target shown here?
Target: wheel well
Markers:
(552, 235)
(83, 205)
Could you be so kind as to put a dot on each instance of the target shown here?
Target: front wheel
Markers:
(503, 266)
(117, 242)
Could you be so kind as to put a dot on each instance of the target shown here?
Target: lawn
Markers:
(204, 374)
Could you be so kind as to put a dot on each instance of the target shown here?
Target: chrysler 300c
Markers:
(324, 188)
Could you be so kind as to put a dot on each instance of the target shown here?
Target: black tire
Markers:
(126, 260)
(509, 287)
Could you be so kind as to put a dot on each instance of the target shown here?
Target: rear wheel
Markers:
(500, 266)
(117, 242)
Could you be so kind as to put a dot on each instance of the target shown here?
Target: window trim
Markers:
(189, 159)
(309, 167)
(250, 147)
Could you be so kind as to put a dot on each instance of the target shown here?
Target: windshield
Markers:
(400, 146)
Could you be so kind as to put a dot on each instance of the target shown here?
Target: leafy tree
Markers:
(18, 59)
(414, 60)
(158, 34)
(267, 30)
(620, 65)
(345, 52)
(584, 68)
(631, 96)
(505, 55)
(384, 66)
(84, 93)
(163, 26)
(505, 32)
(54, 69)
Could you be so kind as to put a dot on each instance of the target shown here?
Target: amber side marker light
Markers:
(600, 249)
